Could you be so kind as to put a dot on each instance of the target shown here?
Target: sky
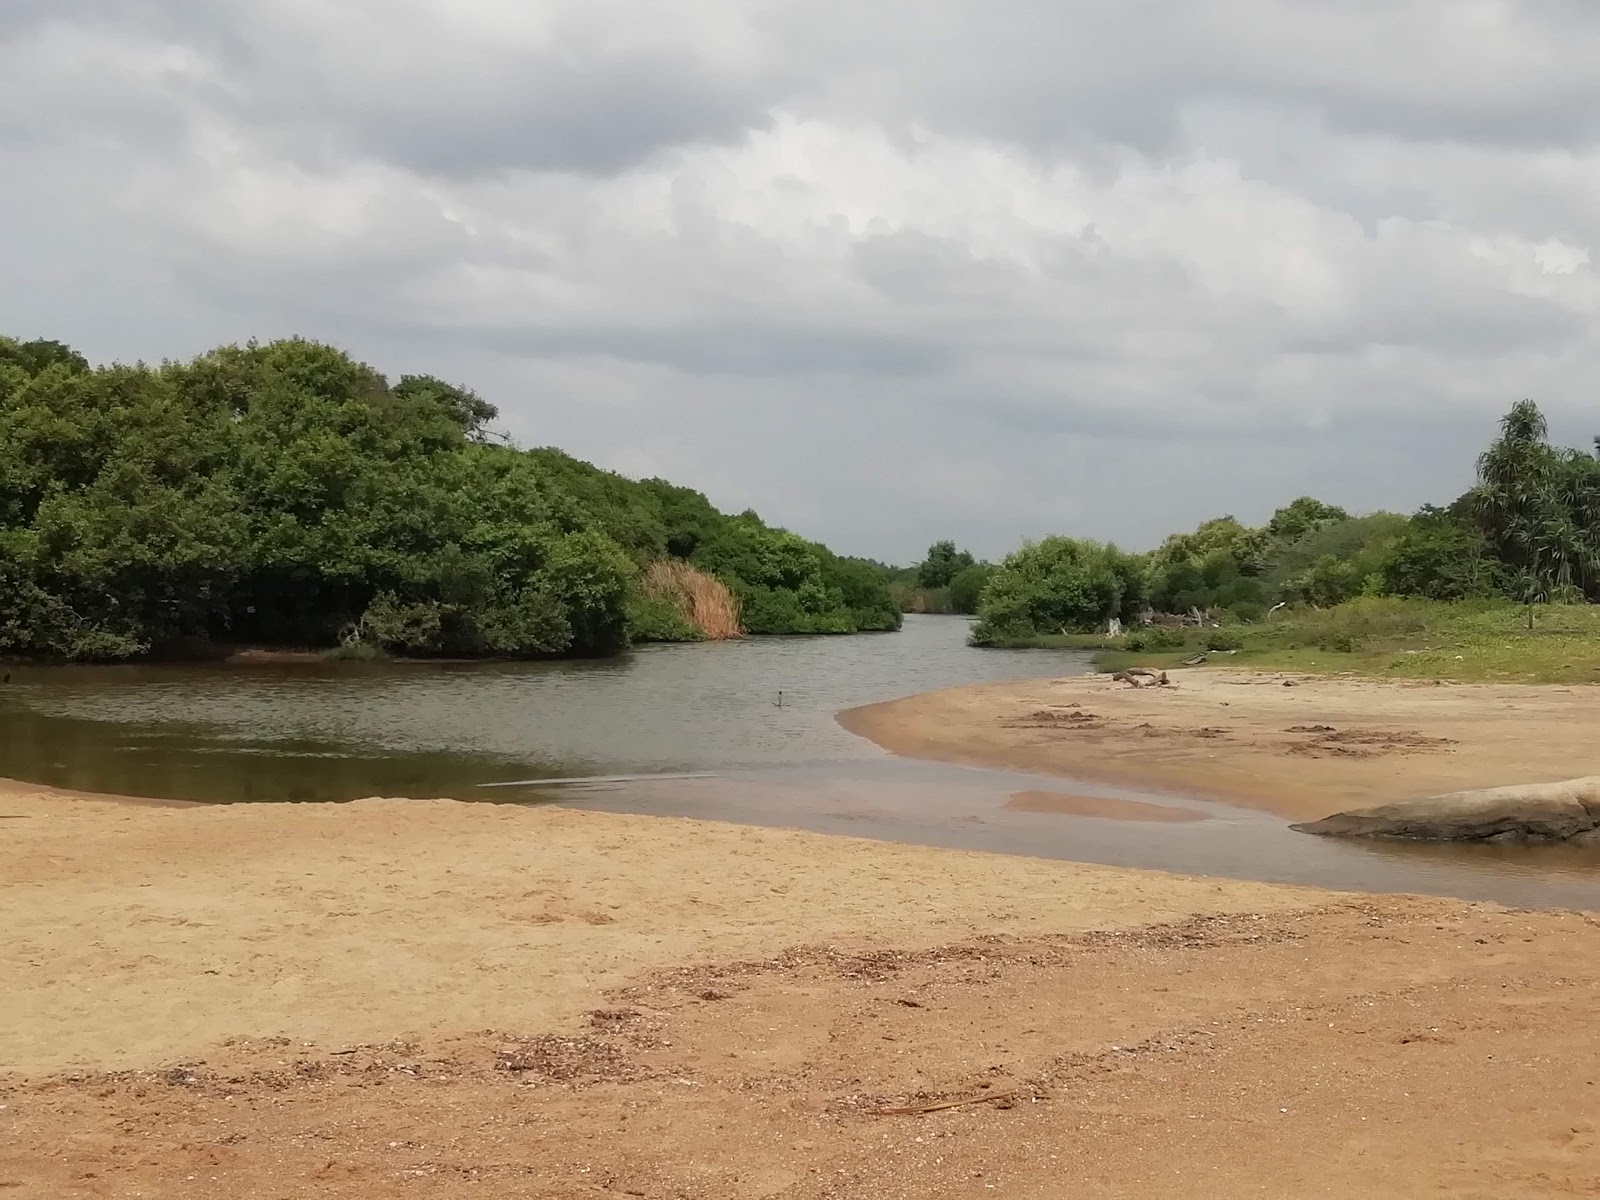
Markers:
(891, 272)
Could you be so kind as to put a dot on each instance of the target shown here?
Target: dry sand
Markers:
(435, 999)
(1300, 746)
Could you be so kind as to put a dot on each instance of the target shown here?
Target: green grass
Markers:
(1385, 638)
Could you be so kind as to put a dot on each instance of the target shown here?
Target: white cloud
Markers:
(882, 273)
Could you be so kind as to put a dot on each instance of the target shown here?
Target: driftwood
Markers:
(1142, 677)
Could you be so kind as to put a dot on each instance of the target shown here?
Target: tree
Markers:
(966, 589)
(1302, 516)
(1440, 557)
(1219, 565)
(1059, 584)
(942, 564)
(1531, 503)
(285, 493)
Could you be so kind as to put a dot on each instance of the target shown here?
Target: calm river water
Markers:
(330, 731)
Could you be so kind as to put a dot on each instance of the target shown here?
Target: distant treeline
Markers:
(1528, 531)
(285, 494)
(946, 581)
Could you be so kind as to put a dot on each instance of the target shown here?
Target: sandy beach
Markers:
(435, 999)
(1296, 745)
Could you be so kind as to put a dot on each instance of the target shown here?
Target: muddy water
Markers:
(739, 732)
(336, 731)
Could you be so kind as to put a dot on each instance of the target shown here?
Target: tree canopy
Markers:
(1529, 530)
(284, 493)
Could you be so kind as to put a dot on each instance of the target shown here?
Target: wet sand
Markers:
(1298, 746)
(431, 998)
(1105, 807)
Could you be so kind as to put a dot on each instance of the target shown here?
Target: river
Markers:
(741, 731)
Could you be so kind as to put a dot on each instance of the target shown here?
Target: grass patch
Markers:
(1383, 638)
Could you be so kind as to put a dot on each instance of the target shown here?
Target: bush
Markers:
(1059, 585)
(1223, 639)
(679, 603)
(1166, 639)
(966, 589)
(651, 619)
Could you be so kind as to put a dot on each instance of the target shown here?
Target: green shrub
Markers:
(1223, 639)
(1166, 639)
(1059, 585)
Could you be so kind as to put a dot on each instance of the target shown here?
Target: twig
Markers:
(906, 1110)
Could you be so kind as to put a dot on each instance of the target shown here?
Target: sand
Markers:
(1300, 746)
(435, 999)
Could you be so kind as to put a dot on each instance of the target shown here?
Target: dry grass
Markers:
(702, 600)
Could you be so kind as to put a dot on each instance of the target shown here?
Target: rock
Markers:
(1542, 812)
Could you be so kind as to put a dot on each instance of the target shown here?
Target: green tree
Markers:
(1440, 557)
(966, 589)
(1300, 517)
(1059, 584)
(942, 564)
(1525, 506)
(285, 493)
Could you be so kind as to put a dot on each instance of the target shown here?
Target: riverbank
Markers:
(409, 997)
(1301, 746)
(1379, 637)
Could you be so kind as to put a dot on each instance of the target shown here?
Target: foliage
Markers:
(1300, 517)
(684, 604)
(942, 564)
(1219, 565)
(1440, 557)
(1539, 509)
(1399, 638)
(966, 589)
(958, 594)
(287, 494)
(1059, 584)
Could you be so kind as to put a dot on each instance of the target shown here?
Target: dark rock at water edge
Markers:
(1549, 812)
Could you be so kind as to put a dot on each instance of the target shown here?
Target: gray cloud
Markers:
(968, 263)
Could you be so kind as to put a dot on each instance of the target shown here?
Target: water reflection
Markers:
(335, 731)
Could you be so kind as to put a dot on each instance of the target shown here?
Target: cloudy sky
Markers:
(886, 272)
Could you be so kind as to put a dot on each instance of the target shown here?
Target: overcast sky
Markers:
(886, 272)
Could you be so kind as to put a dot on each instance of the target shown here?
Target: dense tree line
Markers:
(1529, 530)
(285, 494)
(947, 580)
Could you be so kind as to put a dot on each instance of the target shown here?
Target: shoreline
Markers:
(1297, 746)
(345, 999)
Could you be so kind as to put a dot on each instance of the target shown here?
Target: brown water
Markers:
(324, 731)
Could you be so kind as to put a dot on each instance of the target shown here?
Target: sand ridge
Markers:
(1299, 746)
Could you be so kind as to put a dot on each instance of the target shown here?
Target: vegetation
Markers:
(1060, 584)
(948, 580)
(1387, 637)
(678, 603)
(287, 494)
(1382, 591)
